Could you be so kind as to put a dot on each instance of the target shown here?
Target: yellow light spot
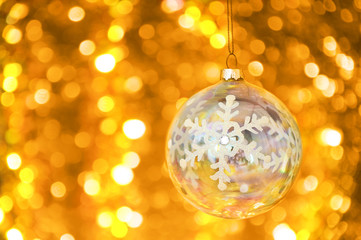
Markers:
(82, 139)
(133, 84)
(13, 161)
(131, 159)
(304, 95)
(45, 54)
(87, 47)
(2, 215)
(105, 63)
(217, 41)
(146, 31)
(91, 187)
(67, 236)
(303, 235)
(133, 128)
(14, 234)
(329, 43)
(169, 6)
(321, 82)
(41, 96)
(118, 53)
(26, 175)
(194, 12)
(122, 175)
(310, 183)
(208, 27)
(331, 137)
(336, 202)
(255, 68)
(34, 30)
(12, 70)
(105, 219)
(257, 46)
(115, 33)
(105, 104)
(108, 126)
(7, 99)
(12, 35)
(76, 14)
(124, 214)
(216, 8)
(345, 62)
(331, 89)
(185, 21)
(25, 190)
(275, 23)
(311, 70)
(283, 232)
(10, 84)
(58, 189)
(18, 11)
(6, 203)
(135, 220)
(54, 73)
(119, 229)
(71, 90)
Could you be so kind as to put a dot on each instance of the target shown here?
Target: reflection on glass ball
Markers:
(233, 150)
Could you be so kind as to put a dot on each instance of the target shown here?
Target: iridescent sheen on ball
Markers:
(233, 150)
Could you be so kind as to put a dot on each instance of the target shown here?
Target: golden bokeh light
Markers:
(133, 84)
(87, 47)
(186, 21)
(58, 189)
(122, 175)
(105, 104)
(105, 63)
(14, 234)
(131, 159)
(275, 23)
(217, 41)
(67, 236)
(208, 27)
(12, 35)
(115, 33)
(311, 70)
(108, 126)
(255, 68)
(105, 219)
(331, 137)
(283, 232)
(12, 70)
(76, 14)
(91, 187)
(10, 84)
(2, 215)
(134, 128)
(42, 96)
(14, 161)
(124, 214)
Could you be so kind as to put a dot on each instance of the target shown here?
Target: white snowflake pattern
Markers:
(224, 139)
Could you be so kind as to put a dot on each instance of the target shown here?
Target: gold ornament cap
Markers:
(229, 74)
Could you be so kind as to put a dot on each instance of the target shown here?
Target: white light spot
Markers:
(224, 140)
(243, 188)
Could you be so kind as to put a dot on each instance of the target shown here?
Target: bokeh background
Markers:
(89, 88)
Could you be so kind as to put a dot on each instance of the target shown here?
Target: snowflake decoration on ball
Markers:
(226, 138)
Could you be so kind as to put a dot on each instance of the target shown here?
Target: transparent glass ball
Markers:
(233, 150)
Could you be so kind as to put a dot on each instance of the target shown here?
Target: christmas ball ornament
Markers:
(233, 149)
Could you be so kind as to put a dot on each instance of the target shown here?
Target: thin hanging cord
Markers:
(230, 32)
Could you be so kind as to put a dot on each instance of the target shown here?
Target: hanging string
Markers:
(230, 33)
